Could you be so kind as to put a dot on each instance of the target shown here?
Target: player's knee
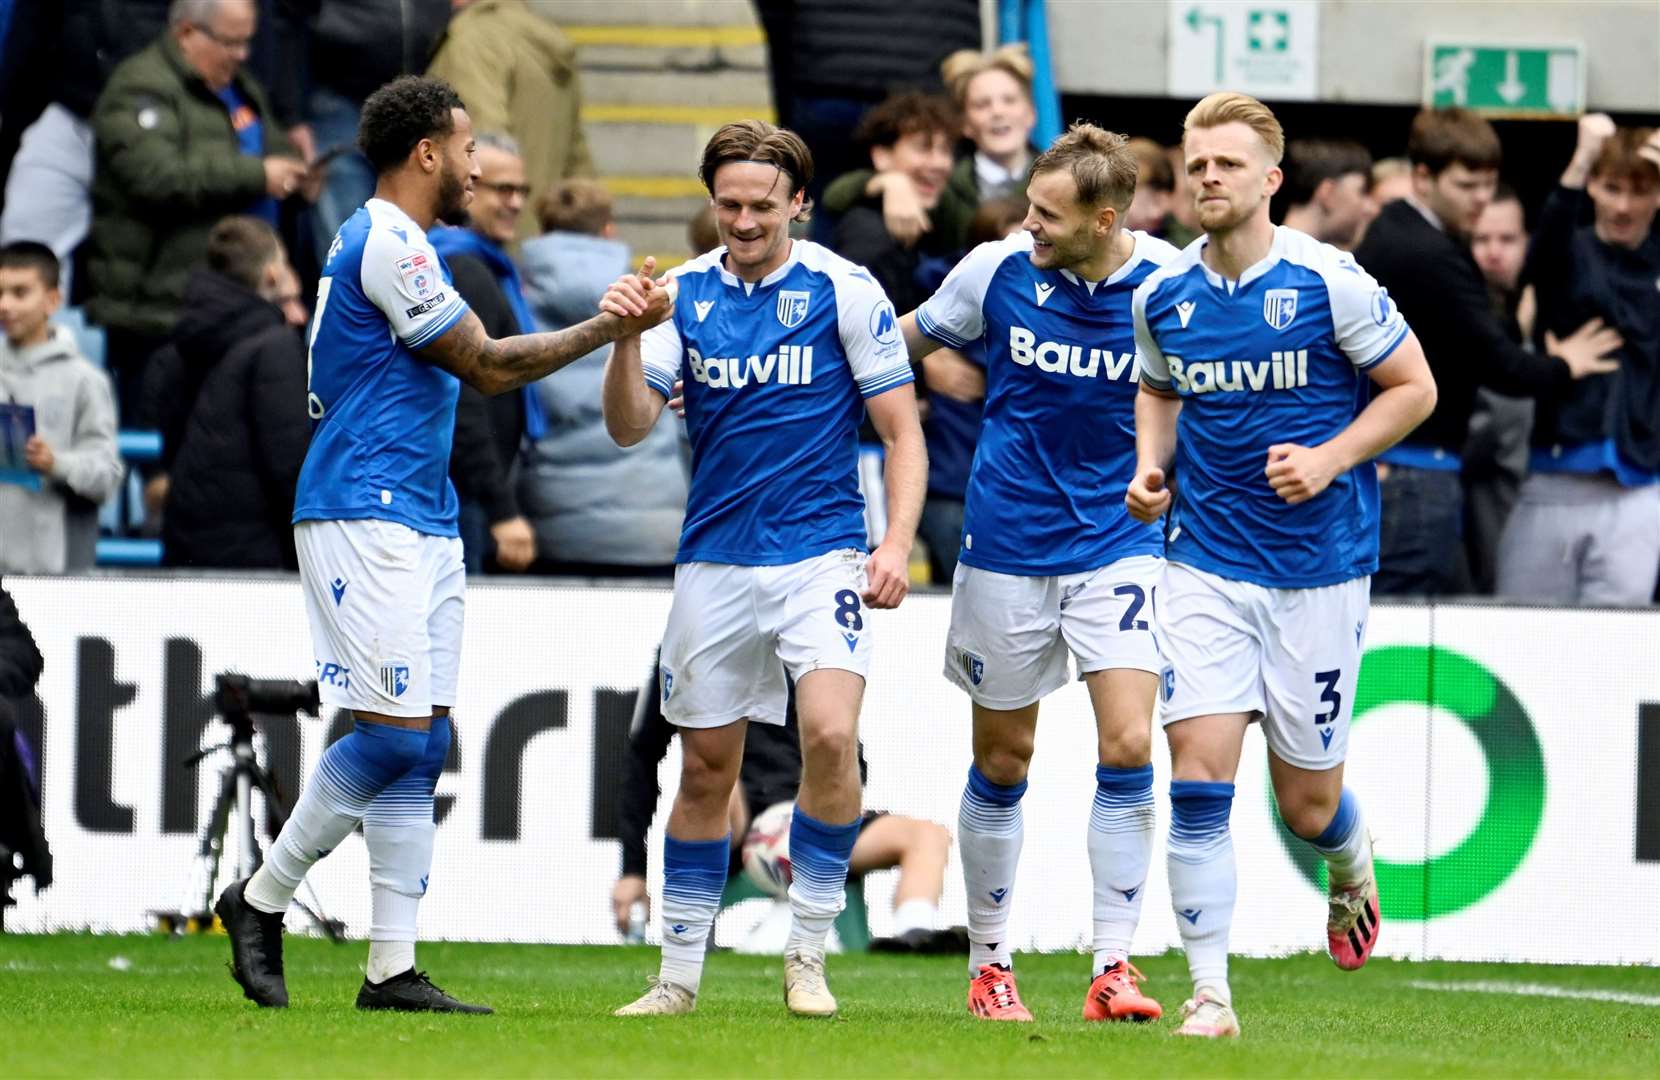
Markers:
(829, 748)
(933, 840)
(1126, 747)
(1306, 813)
(1006, 761)
(705, 779)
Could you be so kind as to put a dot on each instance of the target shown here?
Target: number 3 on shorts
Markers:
(1328, 681)
(847, 611)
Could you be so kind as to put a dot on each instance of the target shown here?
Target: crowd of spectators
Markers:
(180, 170)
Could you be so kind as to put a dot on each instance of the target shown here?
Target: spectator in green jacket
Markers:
(993, 92)
(184, 137)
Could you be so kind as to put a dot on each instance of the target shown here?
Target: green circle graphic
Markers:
(1494, 849)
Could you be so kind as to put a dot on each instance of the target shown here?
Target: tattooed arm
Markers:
(494, 366)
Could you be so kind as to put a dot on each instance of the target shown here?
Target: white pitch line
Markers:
(1539, 990)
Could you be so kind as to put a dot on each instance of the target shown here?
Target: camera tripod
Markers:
(233, 808)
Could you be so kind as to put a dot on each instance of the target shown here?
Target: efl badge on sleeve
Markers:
(792, 307)
(1279, 307)
(420, 276)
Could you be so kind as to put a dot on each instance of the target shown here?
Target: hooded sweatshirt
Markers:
(49, 531)
(588, 499)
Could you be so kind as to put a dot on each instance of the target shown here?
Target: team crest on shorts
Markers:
(394, 678)
(668, 683)
(792, 307)
(1167, 681)
(973, 666)
(1279, 307)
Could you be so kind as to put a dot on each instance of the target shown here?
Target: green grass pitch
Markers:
(169, 1009)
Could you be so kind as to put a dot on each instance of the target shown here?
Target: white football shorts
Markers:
(385, 604)
(733, 630)
(1289, 656)
(1010, 635)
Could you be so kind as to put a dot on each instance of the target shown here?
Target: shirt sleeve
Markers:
(1155, 371)
(661, 352)
(955, 315)
(870, 335)
(1365, 320)
(410, 285)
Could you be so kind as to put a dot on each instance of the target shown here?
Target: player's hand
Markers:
(902, 211)
(638, 300)
(283, 176)
(38, 455)
(1148, 497)
(1584, 350)
(1298, 473)
(887, 576)
(678, 401)
(515, 543)
(949, 374)
(627, 892)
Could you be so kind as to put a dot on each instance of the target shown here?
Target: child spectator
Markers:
(58, 410)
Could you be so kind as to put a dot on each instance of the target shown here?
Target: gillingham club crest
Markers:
(1279, 307)
(792, 307)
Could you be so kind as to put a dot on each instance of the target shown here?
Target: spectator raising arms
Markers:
(47, 502)
(517, 73)
(993, 91)
(236, 375)
(184, 137)
(1584, 531)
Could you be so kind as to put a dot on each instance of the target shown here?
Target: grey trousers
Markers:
(1575, 539)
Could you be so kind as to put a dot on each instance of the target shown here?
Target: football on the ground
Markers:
(766, 851)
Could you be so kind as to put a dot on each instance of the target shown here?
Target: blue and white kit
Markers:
(771, 555)
(1263, 608)
(1051, 561)
(375, 514)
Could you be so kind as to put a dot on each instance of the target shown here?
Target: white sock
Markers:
(389, 958)
(694, 876)
(317, 826)
(990, 829)
(1203, 879)
(1120, 851)
(914, 915)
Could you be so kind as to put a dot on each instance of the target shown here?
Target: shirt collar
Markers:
(1429, 215)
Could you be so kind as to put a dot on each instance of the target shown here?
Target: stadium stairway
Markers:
(658, 77)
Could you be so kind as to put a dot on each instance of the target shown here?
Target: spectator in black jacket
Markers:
(1585, 530)
(1416, 248)
(489, 432)
(234, 455)
(21, 835)
(334, 54)
(909, 133)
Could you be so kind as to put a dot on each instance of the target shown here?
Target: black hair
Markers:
(29, 255)
(400, 114)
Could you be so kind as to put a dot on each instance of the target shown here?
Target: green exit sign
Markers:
(1515, 80)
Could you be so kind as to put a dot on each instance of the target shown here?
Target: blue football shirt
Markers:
(1057, 442)
(776, 373)
(1280, 356)
(383, 418)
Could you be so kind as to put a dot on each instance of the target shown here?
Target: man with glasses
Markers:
(495, 534)
(184, 136)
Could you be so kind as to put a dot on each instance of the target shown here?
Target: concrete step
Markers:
(728, 89)
(670, 48)
(647, 12)
(669, 150)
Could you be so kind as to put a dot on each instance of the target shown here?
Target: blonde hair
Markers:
(961, 67)
(1227, 107)
(1101, 163)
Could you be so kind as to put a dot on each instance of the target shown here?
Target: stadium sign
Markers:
(1269, 49)
(1463, 714)
(1508, 80)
